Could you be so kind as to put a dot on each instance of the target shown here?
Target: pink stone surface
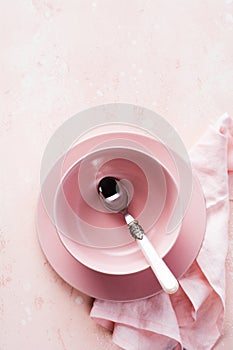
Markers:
(58, 58)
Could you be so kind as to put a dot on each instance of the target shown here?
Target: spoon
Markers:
(115, 198)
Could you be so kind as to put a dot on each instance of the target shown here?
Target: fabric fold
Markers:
(193, 317)
(141, 315)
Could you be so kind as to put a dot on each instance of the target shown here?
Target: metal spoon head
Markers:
(113, 194)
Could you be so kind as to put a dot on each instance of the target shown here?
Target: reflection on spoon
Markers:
(115, 198)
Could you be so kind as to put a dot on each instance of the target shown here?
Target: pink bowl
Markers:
(99, 239)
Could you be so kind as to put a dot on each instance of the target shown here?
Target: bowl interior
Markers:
(100, 239)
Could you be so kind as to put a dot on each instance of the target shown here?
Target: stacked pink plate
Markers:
(88, 246)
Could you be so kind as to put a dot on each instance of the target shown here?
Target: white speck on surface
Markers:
(93, 6)
(229, 18)
(122, 74)
(140, 71)
(79, 300)
(154, 103)
(99, 93)
(47, 14)
(23, 322)
(27, 286)
(90, 83)
(228, 2)
(133, 65)
(134, 42)
(27, 82)
(61, 66)
(28, 311)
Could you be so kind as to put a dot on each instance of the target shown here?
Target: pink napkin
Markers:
(193, 317)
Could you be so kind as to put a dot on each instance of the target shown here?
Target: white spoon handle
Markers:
(164, 275)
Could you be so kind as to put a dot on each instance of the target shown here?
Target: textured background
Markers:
(58, 58)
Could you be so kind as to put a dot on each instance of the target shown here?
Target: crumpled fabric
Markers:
(192, 318)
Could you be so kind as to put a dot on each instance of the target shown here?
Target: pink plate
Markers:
(132, 286)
